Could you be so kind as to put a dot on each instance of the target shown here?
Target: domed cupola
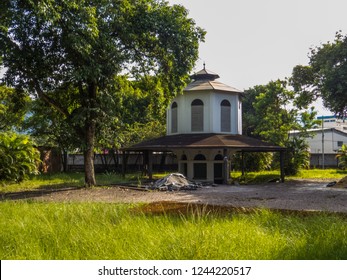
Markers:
(206, 106)
(205, 74)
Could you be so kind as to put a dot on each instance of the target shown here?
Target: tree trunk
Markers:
(89, 173)
(90, 130)
(65, 160)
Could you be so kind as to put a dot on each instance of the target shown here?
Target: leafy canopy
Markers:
(67, 53)
(325, 76)
(13, 107)
(269, 114)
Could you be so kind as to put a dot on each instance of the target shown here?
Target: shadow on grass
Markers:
(185, 209)
(40, 191)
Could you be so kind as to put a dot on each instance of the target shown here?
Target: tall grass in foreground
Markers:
(33, 230)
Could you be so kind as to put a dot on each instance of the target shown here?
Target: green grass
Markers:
(310, 174)
(320, 174)
(60, 180)
(34, 230)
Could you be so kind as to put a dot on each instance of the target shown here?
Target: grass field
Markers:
(33, 230)
(60, 180)
(41, 230)
(310, 174)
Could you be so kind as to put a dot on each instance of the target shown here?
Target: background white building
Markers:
(327, 141)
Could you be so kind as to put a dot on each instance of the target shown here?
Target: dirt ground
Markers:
(293, 195)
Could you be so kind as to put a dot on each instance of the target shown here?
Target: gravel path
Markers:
(294, 195)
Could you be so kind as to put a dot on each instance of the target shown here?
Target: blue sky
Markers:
(251, 42)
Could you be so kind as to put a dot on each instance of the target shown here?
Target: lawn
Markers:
(59, 180)
(34, 230)
(309, 174)
(64, 180)
(71, 230)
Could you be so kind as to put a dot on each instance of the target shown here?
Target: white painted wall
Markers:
(212, 112)
(331, 139)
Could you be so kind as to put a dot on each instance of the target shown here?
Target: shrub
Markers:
(253, 161)
(18, 157)
(297, 156)
(342, 157)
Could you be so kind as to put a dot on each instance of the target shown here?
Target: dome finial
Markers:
(204, 65)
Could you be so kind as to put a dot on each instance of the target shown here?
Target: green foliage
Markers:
(267, 115)
(50, 128)
(342, 157)
(274, 119)
(253, 161)
(18, 157)
(265, 112)
(74, 231)
(13, 106)
(297, 155)
(68, 52)
(326, 75)
(132, 111)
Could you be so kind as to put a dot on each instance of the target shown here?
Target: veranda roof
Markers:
(205, 141)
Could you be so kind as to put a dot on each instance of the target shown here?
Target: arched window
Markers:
(197, 115)
(218, 157)
(174, 125)
(199, 157)
(225, 109)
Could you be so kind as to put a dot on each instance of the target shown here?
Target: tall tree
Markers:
(269, 114)
(50, 46)
(325, 76)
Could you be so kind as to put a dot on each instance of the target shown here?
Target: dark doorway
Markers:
(200, 168)
(200, 171)
(184, 169)
(218, 170)
(218, 173)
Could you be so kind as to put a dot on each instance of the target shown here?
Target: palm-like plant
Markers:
(18, 157)
(342, 157)
(297, 155)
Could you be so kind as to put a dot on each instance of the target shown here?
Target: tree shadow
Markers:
(42, 190)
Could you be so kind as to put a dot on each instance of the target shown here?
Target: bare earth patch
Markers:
(293, 195)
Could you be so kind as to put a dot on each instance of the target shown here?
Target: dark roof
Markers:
(205, 74)
(200, 85)
(205, 80)
(204, 140)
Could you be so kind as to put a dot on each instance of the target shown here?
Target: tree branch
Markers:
(49, 100)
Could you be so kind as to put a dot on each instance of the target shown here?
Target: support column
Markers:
(225, 167)
(243, 163)
(282, 166)
(150, 165)
(124, 162)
